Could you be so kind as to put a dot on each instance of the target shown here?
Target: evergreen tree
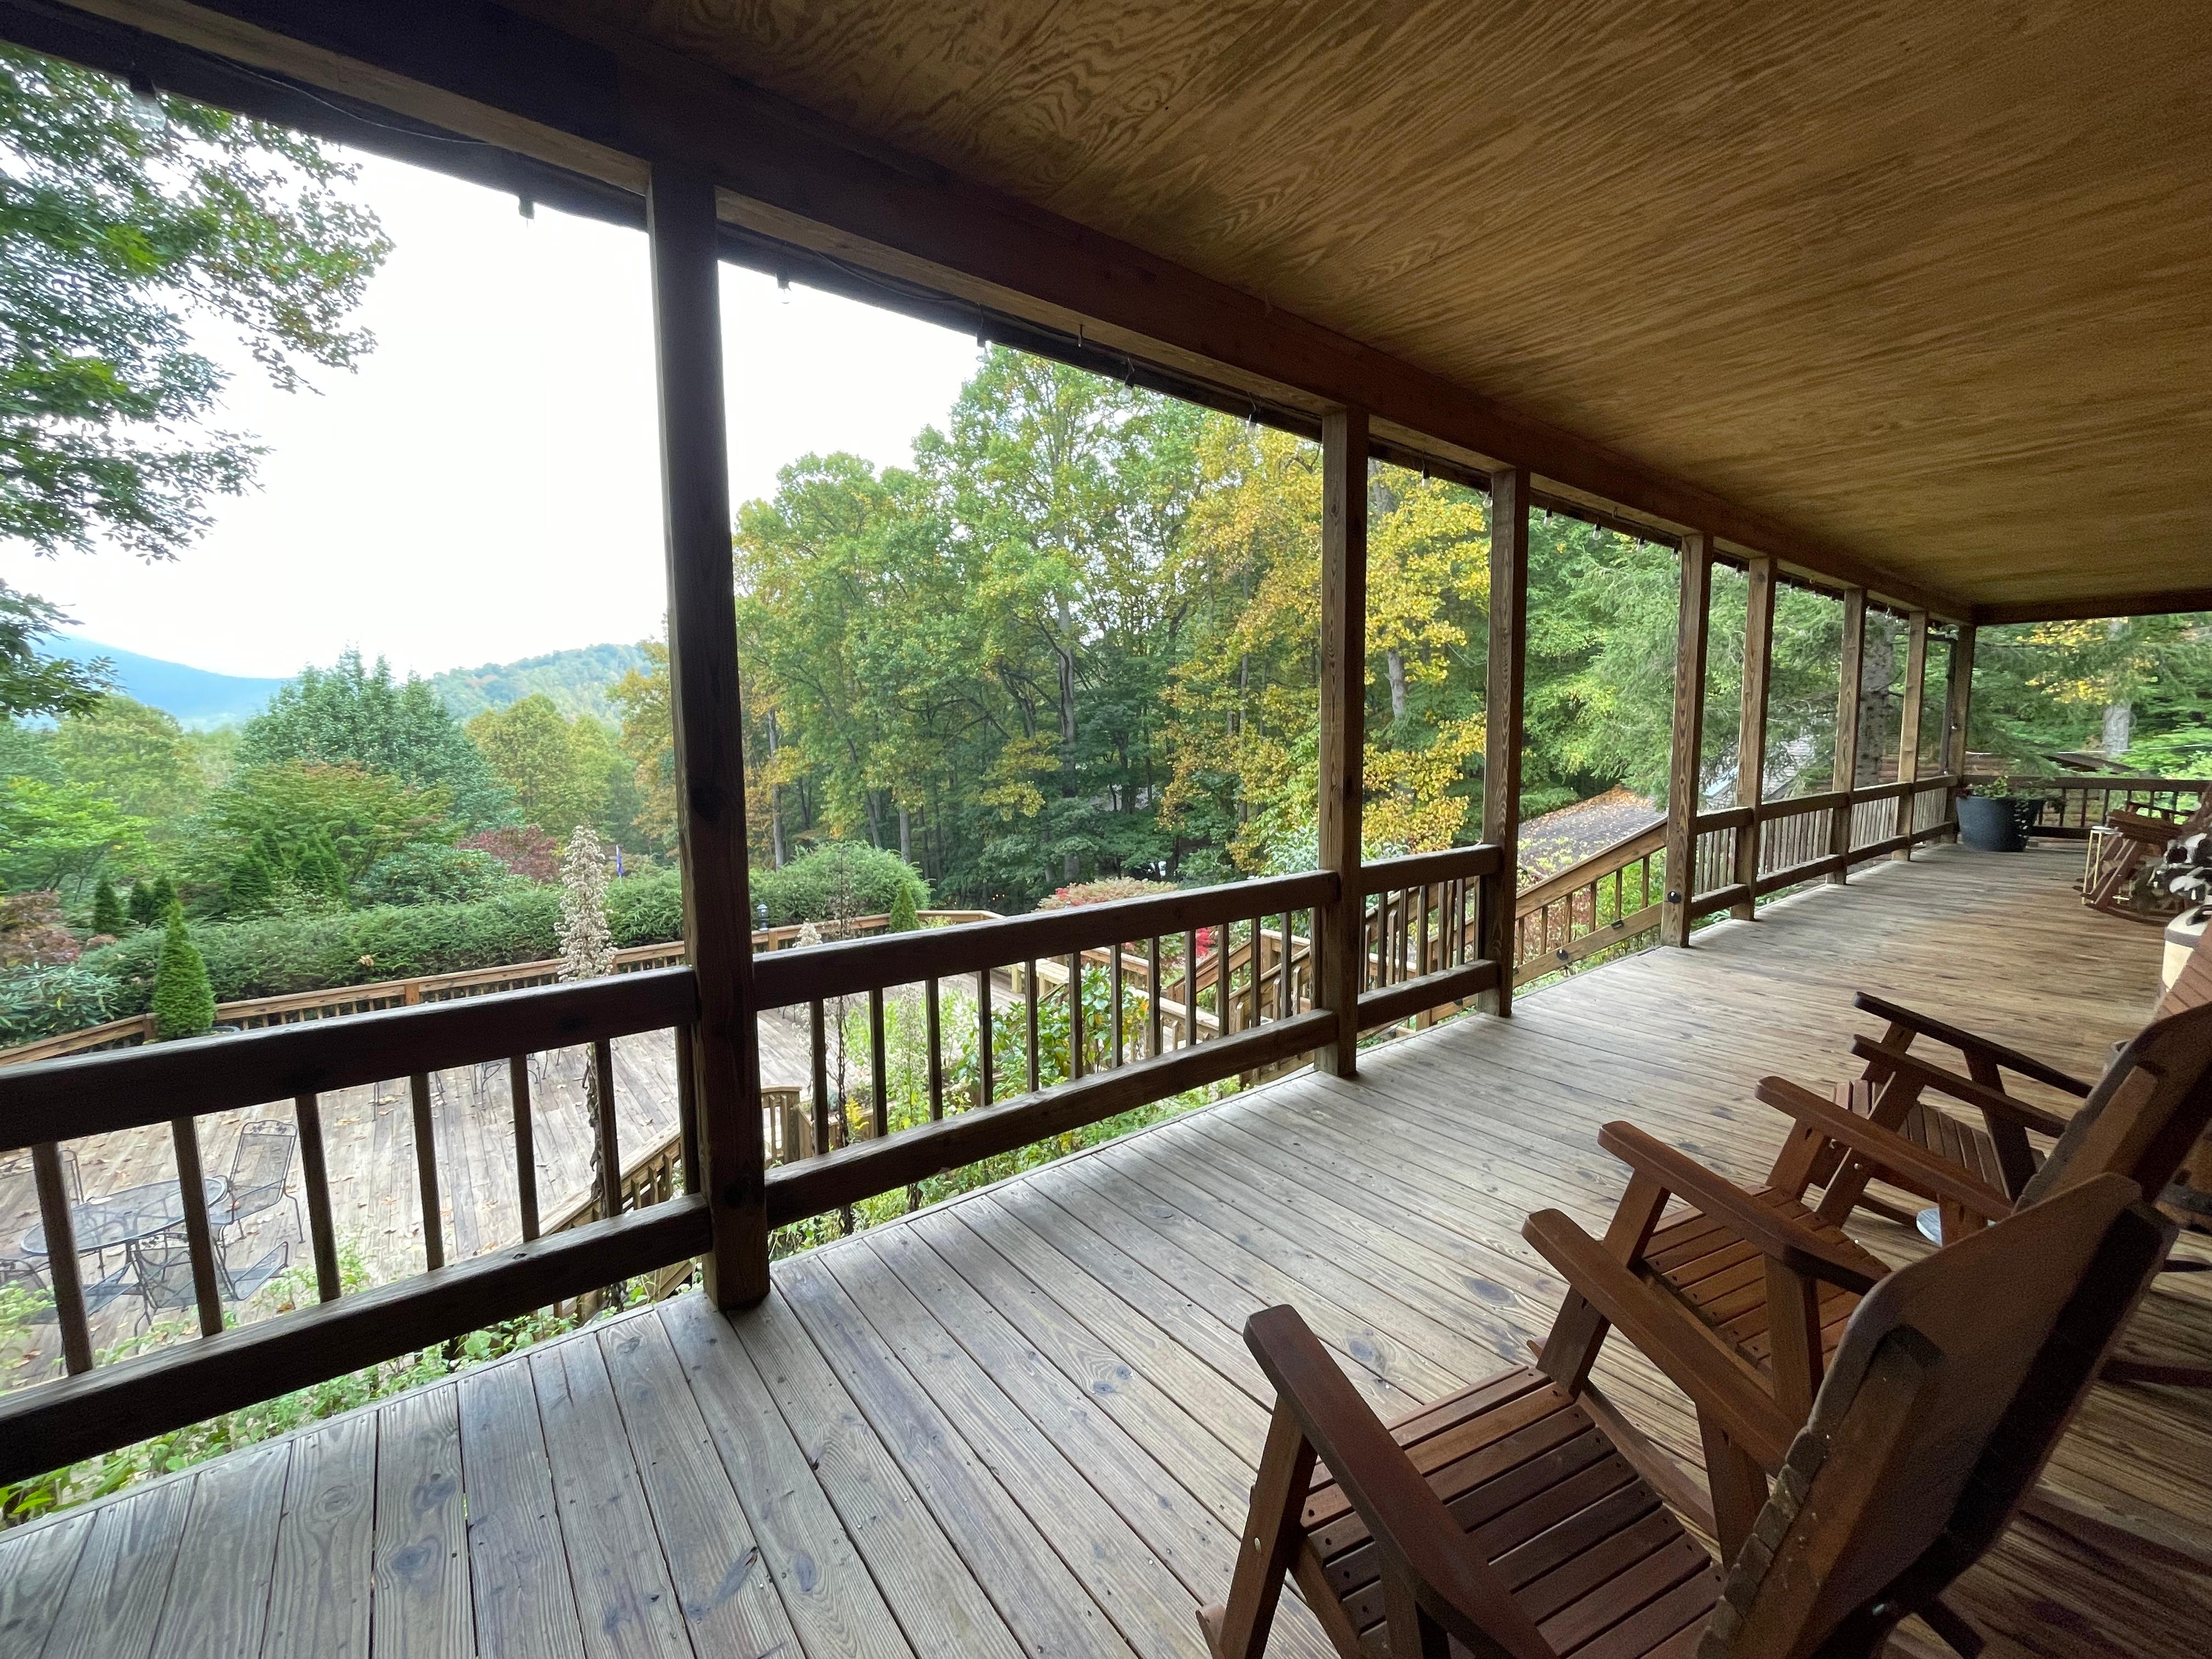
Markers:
(106, 908)
(145, 901)
(165, 899)
(904, 918)
(252, 886)
(184, 1001)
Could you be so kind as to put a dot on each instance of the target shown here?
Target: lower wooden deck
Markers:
(1023, 1422)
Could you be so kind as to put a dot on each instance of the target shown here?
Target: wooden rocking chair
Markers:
(2141, 836)
(1503, 1523)
(1755, 1286)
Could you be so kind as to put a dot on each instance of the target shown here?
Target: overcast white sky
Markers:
(486, 485)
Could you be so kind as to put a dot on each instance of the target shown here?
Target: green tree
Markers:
(31, 683)
(184, 1000)
(555, 770)
(58, 835)
(136, 756)
(321, 825)
(251, 890)
(107, 916)
(116, 231)
(351, 715)
(904, 918)
(647, 742)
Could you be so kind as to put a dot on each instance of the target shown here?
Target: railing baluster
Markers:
(983, 1035)
(1259, 935)
(1223, 1011)
(878, 1065)
(199, 1237)
(526, 1146)
(61, 1257)
(687, 1107)
(426, 1173)
(1114, 996)
(315, 1176)
(1074, 1014)
(1286, 1002)
(817, 1037)
(1421, 935)
(604, 1126)
(932, 1015)
(1030, 1008)
(1190, 988)
(1152, 1049)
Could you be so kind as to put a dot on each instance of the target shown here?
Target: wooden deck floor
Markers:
(1024, 1423)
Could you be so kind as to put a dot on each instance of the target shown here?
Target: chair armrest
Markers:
(1929, 1075)
(1694, 1359)
(1418, 1537)
(1970, 1042)
(1787, 1240)
(1885, 1148)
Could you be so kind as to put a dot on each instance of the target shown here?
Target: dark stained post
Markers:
(1958, 704)
(1851, 670)
(1504, 716)
(703, 675)
(1692, 627)
(1343, 721)
(1908, 730)
(1751, 726)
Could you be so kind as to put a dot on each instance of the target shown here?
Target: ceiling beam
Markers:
(2125, 605)
(599, 102)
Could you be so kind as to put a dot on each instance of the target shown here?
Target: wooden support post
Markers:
(703, 700)
(1503, 710)
(1343, 721)
(1846, 776)
(1751, 726)
(1692, 627)
(1908, 730)
(1959, 703)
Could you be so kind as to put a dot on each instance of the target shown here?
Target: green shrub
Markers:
(645, 910)
(146, 906)
(251, 888)
(842, 878)
(107, 916)
(432, 873)
(903, 919)
(183, 1001)
(38, 1002)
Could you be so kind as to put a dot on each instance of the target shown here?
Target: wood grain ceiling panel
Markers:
(1931, 282)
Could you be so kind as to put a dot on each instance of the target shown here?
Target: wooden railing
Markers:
(1608, 898)
(98, 1406)
(1149, 998)
(2078, 803)
(252, 1013)
(1616, 894)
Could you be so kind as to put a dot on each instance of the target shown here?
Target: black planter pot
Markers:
(1997, 823)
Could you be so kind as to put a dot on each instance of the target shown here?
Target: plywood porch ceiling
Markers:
(1930, 281)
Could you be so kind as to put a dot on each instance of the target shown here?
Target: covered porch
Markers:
(1022, 1421)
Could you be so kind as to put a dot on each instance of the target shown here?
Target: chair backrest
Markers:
(260, 1164)
(2144, 1115)
(19, 1205)
(1956, 1377)
(165, 1272)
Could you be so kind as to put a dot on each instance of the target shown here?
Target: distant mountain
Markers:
(198, 699)
(575, 680)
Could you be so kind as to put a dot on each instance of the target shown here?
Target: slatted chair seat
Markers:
(1720, 1276)
(1594, 1558)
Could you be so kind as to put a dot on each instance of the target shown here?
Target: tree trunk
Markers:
(2119, 729)
(1876, 737)
(774, 803)
(906, 836)
(1395, 660)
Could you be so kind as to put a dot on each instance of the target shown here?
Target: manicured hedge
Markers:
(276, 956)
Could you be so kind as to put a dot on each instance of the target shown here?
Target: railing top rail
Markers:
(125, 1088)
(1603, 862)
(1793, 806)
(1725, 817)
(850, 966)
(2088, 781)
(1419, 869)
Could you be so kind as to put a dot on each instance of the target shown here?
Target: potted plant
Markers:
(1996, 820)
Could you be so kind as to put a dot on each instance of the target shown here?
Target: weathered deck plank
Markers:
(1023, 1422)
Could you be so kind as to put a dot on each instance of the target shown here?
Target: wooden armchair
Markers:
(2141, 836)
(1502, 1522)
(1756, 1286)
(1893, 1091)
